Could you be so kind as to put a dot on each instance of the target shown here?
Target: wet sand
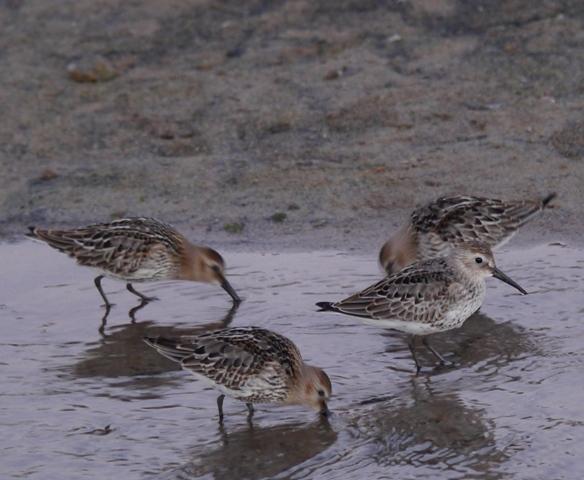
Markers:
(278, 124)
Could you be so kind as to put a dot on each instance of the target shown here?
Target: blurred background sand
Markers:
(287, 124)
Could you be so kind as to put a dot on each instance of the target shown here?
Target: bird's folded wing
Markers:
(234, 357)
(488, 220)
(413, 294)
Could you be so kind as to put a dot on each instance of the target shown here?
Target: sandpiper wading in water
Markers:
(138, 250)
(250, 364)
(427, 297)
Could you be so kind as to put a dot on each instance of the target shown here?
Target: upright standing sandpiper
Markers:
(427, 297)
(449, 221)
(250, 364)
(138, 250)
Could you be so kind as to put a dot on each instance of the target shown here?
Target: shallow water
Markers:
(511, 408)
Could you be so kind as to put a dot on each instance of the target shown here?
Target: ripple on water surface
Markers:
(79, 403)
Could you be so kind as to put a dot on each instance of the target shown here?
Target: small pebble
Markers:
(91, 69)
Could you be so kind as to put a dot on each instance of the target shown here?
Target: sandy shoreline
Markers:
(295, 125)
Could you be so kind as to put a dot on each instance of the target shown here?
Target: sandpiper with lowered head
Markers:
(138, 250)
(435, 227)
(427, 297)
(250, 364)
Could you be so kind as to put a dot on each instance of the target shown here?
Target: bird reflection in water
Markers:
(432, 428)
(131, 313)
(480, 340)
(122, 352)
(258, 452)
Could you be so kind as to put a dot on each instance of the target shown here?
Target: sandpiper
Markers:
(138, 250)
(250, 364)
(448, 221)
(427, 297)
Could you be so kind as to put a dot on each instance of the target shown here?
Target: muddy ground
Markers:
(283, 124)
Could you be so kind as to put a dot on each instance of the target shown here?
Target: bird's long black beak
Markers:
(324, 411)
(504, 278)
(229, 289)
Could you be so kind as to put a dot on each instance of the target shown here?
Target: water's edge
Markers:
(510, 408)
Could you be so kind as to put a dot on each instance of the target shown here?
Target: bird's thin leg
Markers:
(250, 411)
(97, 282)
(220, 399)
(101, 329)
(434, 352)
(132, 312)
(412, 345)
(141, 295)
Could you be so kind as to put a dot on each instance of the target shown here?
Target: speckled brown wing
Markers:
(462, 219)
(419, 292)
(120, 247)
(232, 357)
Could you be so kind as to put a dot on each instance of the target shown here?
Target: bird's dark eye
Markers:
(321, 393)
(216, 268)
(478, 260)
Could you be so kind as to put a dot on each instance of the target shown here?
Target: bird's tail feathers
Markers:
(325, 306)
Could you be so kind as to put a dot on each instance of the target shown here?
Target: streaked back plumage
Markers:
(129, 248)
(436, 227)
(420, 293)
(248, 363)
(424, 297)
